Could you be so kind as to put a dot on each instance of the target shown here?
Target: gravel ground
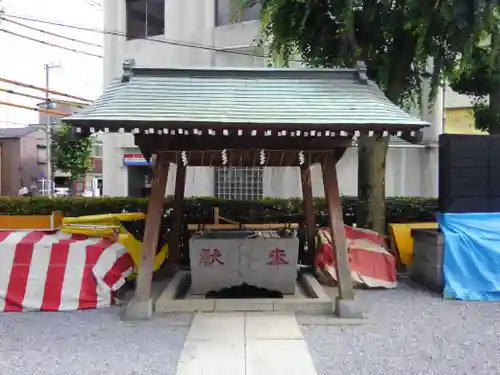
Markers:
(410, 332)
(90, 342)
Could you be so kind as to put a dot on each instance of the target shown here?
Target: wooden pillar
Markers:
(174, 253)
(308, 207)
(141, 306)
(339, 241)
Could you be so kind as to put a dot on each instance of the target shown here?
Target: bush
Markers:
(199, 210)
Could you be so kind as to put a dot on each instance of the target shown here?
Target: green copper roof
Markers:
(245, 96)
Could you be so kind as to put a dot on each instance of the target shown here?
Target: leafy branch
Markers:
(72, 155)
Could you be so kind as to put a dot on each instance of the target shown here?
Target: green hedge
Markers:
(199, 210)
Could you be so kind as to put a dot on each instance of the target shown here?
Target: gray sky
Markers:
(22, 60)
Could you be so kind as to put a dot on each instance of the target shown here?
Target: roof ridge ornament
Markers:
(128, 66)
(362, 71)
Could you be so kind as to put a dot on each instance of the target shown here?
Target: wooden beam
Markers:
(308, 206)
(174, 254)
(339, 241)
(250, 158)
(269, 226)
(174, 143)
(152, 229)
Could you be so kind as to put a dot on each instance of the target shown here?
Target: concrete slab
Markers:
(175, 286)
(256, 304)
(330, 320)
(212, 358)
(245, 344)
(308, 286)
(226, 327)
(290, 357)
(314, 288)
(198, 305)
(303, 306)
(347, 309)
(138, 309)
(259, 326)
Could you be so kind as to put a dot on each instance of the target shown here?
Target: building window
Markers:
(97, 151)
(145, 18)
(234, 11)
(41, 153)
(239, 183)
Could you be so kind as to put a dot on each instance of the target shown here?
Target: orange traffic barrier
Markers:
(31, 222)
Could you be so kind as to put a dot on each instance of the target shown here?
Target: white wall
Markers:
(192, 22)
(187, 21)
(401, 179)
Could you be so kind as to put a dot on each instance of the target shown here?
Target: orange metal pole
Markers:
(44, 90)
(50, 112)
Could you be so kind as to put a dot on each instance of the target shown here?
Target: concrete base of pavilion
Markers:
(310, 298)
(138, 309)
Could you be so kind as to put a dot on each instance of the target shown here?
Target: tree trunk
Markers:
(370, 213)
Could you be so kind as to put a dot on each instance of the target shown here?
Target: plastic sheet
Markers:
(471, 256)
(372, 266)
(47, 271)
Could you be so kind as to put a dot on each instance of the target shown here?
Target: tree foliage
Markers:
(479, 78)
(70, 154)
(395, 38)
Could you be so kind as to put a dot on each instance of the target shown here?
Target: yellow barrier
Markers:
(106, 219)
(402, 239)
(134, 248)
(31, 222)
(109, 226)
(106, 225)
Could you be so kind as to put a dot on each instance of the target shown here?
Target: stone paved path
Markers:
(245, 344)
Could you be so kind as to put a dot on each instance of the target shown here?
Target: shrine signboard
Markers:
(218, 263)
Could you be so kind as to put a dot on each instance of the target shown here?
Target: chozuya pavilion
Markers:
(243, 117)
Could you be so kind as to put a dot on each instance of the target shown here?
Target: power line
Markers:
(22, 94)
(124, 35)
(53, 92)
(50, 44)
(53, 34)
(8, 91)
(36, 109)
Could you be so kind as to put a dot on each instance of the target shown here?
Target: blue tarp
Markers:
(471, 256)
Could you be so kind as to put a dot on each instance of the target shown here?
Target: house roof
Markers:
(9, 133)
(335, 98)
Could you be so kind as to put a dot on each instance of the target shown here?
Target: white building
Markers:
(207, 33)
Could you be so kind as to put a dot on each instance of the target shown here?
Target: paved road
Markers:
(413, 333)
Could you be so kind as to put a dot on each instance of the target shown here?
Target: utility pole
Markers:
(48, 127)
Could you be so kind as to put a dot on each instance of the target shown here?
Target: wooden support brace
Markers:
(339, 241)
(152, 229)
(174, 254)
(216, 215)
(308, 207)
